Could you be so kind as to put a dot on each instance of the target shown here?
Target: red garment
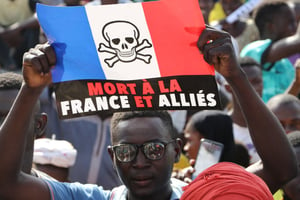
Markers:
(226, 181)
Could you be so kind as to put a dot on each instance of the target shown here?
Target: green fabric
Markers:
(277, 77)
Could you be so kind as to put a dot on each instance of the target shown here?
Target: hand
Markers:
(37, 63)
(217, 49)
(185, 174)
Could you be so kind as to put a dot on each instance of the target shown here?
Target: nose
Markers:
(140, 161)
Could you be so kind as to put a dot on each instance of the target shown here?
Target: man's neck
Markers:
(159, 195)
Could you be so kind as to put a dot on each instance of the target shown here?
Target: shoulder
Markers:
(70, 191)
(255, 49)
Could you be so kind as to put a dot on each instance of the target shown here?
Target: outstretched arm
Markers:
(279, 164)
(13, 183)
(284, 48)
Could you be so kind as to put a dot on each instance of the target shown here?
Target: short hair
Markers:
(247, 61)
(283, 99)
(265, 12)
(294, 138)
(10, 80)
(163, 115)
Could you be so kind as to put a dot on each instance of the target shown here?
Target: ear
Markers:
(110, 152)
(40, 124)
(178, 148)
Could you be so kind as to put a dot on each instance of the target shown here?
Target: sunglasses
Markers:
(128, 152)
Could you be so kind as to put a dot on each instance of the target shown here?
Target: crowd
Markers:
(256, 57)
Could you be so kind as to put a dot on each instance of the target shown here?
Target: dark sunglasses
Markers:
(151, 150)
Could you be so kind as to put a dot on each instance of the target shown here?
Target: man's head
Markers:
(292, 188)
(253, 72)
(145, 170)
(10, 83)
(286, 107)
(275, 19)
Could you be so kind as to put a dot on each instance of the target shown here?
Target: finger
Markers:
(50, 55)
(213, 52)
(210, 34)
(192, 162)
(39, 60)
(31, 60)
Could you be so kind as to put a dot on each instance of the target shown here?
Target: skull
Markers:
(122, 36)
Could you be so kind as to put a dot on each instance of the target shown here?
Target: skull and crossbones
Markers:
(123, 42)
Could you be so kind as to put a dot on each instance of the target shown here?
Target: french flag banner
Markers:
(122, 57)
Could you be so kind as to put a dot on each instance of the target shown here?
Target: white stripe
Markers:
(99, 16)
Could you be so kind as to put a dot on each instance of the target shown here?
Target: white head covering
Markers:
(59, 153)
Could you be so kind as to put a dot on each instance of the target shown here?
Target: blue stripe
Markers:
(68, 30)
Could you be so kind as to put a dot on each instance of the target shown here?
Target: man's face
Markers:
(289, 116)
(285, 26)
(192, 144)
(144, 177)
(254, 76)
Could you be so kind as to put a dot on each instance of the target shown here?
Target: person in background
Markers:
(10, 84)
(291, 190)
(243, 29)
(279, 40)
(203, 125)
(206, 6)
(286, 107)
(294, 88)
(54, 157)
(19, 31)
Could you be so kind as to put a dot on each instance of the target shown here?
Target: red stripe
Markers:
(175, 26)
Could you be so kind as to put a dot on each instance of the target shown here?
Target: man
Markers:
(10, 83)
(143, 148)
(19, 30)
(286, 108)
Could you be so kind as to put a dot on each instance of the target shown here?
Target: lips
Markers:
(142, 181)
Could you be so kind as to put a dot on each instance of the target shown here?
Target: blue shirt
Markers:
(278, 76)
(78, 191)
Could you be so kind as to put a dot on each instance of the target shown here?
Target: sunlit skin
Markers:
(145, 178)
(254, 76)
(292, 189)
(192, 144)
(289, 116)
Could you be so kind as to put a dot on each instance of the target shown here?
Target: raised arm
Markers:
(13, 183)
(279, 164)
(284, 48)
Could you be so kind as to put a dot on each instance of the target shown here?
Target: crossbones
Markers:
(122, 37)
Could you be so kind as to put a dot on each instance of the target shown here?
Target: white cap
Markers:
(59, 153)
